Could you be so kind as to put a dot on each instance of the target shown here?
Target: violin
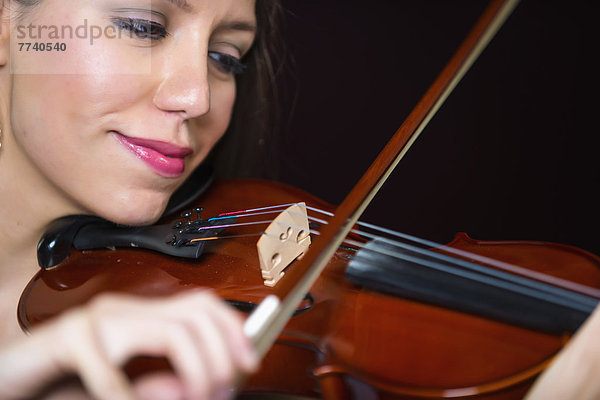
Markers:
(348, 337)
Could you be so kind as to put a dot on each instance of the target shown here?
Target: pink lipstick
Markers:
(165, 159)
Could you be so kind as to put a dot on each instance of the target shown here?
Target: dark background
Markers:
(511, 155)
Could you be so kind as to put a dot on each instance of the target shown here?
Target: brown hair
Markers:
(246, 147)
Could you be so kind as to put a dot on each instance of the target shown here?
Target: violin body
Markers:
(349, 342)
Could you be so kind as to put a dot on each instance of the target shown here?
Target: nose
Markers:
(184, 87)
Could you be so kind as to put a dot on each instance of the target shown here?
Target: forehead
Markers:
(227, 8)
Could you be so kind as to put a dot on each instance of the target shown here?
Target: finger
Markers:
(192, 310)
(225, 319)
(231, 325)
(159, 386)
(84, 355)
(189, 361)
(218, 356)
(156, 330)
(196, 331)
(218, 333)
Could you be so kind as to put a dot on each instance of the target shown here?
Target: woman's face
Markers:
(115, 123)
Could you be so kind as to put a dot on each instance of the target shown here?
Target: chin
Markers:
(136, 213)
(134, 218)
(139, 220)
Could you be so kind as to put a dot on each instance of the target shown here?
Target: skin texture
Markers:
(184, 101)
(61, 115)
(574, 373)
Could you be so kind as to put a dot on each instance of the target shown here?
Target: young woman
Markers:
(110, 124)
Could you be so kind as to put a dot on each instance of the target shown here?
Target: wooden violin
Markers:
(348, 338)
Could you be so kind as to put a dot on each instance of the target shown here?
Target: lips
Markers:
(163, 158)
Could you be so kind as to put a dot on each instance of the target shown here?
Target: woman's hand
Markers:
(196, 331)
(575, 371)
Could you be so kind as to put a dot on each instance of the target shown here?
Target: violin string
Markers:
(226, 237)
(508, 281)
(254, 214)
(560, 291)
(523, 286)
(485, 260)
(478, 273)
(491, 277)
(206, 239)
(483, 270)
(552, 280)
(232, 213)
(531, 289)
(203, 228)
(249, 214)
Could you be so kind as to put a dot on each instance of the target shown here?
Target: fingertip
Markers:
(159, 386)
(113, 386)
(250, 360)
(224, 394)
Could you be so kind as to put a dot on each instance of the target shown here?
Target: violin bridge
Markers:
(285, 239)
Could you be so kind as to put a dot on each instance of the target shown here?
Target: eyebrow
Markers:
(238, 26)
(183, 4)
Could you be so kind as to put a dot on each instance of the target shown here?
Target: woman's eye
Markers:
(142, 28)
(226, 63)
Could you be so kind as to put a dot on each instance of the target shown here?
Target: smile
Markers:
(165, 159)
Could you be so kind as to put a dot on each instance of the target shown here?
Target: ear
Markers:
(4, 32)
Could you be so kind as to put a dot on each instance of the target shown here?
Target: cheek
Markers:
(59, 123)
(76, 89)
(54, 114)
(42, 111)
(59, 91)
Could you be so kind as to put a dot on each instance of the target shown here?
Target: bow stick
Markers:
(266, 322)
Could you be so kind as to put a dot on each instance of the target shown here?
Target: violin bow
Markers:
(268, 320)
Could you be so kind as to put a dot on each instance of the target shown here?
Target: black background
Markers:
(511, 155)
